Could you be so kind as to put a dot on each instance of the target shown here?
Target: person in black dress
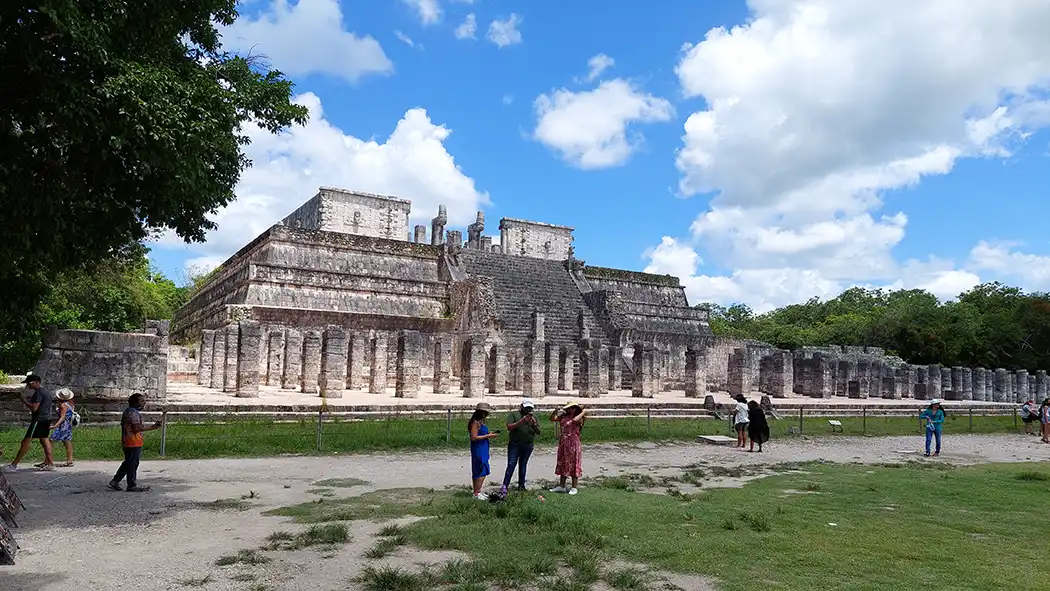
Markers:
(757, 428)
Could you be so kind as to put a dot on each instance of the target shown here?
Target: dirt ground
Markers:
(77, 534)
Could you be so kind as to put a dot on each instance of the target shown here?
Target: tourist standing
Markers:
(1029, 415)
(757, 426)
(740, 421)
(39, 403)
(934, 417)
(479, 448)
(570, 420)
(62, 430)
(131, 430)
(522, 429)
(1044, 420)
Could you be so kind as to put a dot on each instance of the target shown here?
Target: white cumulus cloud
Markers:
(814, 108)
(467, 28)
(277, 33)
(596, 65)
(429, 11)
(1029, 271)
(505, 32)
(288, 168)
(589, 129)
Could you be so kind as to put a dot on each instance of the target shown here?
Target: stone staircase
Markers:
(524, 284)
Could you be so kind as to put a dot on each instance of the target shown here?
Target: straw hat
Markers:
(571, 404)
(64, 394)
(483, 406)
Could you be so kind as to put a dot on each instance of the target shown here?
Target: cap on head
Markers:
(527, 403)
(31, 378)
(935, 401)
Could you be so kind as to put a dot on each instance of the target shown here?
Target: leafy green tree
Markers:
(124, 119)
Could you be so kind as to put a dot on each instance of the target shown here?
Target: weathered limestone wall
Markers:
(535, 239)
(107, 365)
(353, 212)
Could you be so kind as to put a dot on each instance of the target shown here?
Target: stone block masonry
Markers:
(534, 371)
(645, 379)
(409, 350)
(355, 366)
(551, 357)
(106, 365)
(1001, 392)
(740, 373)
(977, 385)
(248, 353)
(1021, 386)
(293, 359)
(204, 357)
(1040, 386)
(496, 367)
(933, 381)
(589, 370)
(275, 358)
(311, 362)
(967, 384)
(566, 363)
(776, 374)
(332, 381)
(473, 378)
(695, 372)
(616, 368)
(233, 344)
(377, 373)
(442, 365)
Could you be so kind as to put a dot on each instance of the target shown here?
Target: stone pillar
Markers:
(644, 385)
(904, 381)
(1040, 385)
(486, 243)
(311, 362)
(1000, 384)
(357, 351)
(293, 360)
(946, 383)
(739, 373)
(1021, 386)
(332, 380)
(229, 382)
(473, 378)
(966, 393)
(977, 383)
(955, 391)
(534, 371)
(496, 370)
(616, 368)
(989, 384)
(551, 358)
(475, 230)
(442, 364)
(409, 351)
(819, 377)
(847, 372)
(455, 237)
(861, 386)
(218, 360)
(249, 343)
(933, 381)
(695, 372)
(566, 364)
(589, 368)
(377, 374)
(274, 357)
(776, 374)
(919, 384)
(437, 227)
(603, 368)
(421, 234)
(204, 357)
(515, 371)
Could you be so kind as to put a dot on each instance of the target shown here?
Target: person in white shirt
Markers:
(1029, 415)
(740, 421)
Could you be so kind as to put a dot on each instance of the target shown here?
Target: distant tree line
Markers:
(992, 325)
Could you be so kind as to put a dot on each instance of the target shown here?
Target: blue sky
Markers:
(765, 152)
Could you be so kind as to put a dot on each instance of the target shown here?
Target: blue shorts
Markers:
(479, 467)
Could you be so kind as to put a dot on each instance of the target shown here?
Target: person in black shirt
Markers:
(39, 404)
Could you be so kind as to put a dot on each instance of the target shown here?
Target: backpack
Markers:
(74, 417)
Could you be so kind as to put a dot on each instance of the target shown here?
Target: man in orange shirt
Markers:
(131, 430)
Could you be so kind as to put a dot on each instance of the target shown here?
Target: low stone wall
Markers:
(107, 365)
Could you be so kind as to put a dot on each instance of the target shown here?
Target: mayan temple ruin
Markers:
(344, 296)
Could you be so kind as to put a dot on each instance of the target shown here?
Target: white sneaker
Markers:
(11, 468)
(559, 489)
(481, 497)
(572, 491)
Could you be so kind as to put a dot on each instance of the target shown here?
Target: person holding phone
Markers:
(479, 448)
(523, 429)
(570, 419)
(131, 430)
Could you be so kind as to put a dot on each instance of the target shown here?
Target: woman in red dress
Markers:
(570, 456)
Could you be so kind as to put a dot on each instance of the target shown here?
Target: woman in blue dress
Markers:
(63, 429)
(479, 448)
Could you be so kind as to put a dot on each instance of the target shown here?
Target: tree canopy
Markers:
(119, 120)
(992, 325)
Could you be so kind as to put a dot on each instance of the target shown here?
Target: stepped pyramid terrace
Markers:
(345, 300)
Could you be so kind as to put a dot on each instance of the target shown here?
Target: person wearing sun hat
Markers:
(479, 448)
(934, 417)
(62, 430)
(570, 453)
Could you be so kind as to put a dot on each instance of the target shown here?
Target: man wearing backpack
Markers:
(39, 403)
(1029, 415)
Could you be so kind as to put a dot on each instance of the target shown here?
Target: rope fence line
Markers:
(333, 433)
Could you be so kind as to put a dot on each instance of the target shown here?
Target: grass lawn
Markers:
(262, 439)
(919, 525)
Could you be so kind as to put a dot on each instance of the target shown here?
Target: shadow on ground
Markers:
(31, 581)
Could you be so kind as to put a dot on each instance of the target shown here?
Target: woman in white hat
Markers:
(62, 430)
(570, 454)
(934, 417)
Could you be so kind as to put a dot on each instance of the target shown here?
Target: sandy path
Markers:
(77, 534)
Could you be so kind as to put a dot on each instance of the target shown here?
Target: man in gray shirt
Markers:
(39, 403)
